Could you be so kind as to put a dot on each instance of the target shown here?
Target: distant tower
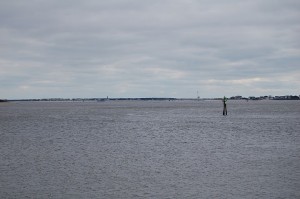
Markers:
(198, 96)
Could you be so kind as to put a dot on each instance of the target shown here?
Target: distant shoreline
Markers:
(148, 99)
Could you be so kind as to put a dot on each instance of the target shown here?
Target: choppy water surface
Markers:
(153, 149)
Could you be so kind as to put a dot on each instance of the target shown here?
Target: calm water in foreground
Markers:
(153, 149)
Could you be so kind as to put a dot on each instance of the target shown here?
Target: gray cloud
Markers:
(148, 48)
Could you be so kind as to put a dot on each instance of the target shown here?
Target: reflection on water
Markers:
(153, 149)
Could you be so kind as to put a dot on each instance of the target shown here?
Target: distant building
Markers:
(236, 97)
(286, 97)
(253, 98)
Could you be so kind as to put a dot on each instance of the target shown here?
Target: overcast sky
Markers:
(149, 48)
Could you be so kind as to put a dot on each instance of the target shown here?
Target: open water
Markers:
(150, 149)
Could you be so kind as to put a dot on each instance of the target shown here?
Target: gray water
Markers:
(152, 149)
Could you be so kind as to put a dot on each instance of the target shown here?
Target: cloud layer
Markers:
(131, 48)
